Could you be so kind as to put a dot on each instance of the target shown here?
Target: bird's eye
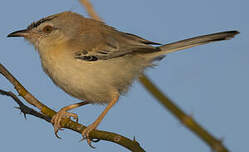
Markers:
(47, 29)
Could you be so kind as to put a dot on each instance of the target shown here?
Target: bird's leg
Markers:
(56, 119)
(95, 124)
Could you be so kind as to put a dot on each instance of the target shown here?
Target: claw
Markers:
(85, 134)
(89, 141)
(56, 133)
(82, 139)
(56, 120)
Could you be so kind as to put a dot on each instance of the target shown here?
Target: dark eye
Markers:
(47, 29)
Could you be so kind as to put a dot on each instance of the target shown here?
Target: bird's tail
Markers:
(199, 40)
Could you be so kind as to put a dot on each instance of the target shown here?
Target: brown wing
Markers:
(107, 43)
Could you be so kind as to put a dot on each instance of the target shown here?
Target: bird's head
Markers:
(51, 31)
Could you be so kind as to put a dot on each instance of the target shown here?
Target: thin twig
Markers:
(24, 109)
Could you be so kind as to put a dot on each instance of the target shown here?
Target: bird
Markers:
(94, 62)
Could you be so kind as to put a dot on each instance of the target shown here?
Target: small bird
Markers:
(94, 62)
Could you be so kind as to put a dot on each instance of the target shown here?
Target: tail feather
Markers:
(199, 40)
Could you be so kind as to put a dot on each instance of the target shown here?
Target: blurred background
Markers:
(209, 82)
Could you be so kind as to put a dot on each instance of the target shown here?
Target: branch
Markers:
(24, 109)
(186, 120)
(90, 10)
(20, 89)
(47, 114)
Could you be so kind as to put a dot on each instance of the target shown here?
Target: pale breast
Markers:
(92, 81)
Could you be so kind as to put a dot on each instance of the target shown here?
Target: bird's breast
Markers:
(93, 81)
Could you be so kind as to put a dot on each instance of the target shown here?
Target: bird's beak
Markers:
(20, 33)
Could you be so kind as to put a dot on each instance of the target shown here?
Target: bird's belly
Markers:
(96, 81)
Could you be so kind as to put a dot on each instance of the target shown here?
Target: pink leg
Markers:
(95, 124)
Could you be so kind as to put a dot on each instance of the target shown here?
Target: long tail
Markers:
(199, 40)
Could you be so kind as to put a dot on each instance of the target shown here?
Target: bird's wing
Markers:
(107, 44)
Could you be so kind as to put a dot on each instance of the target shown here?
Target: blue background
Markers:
(208, 82)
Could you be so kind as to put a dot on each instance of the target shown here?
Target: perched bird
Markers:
(95, 62)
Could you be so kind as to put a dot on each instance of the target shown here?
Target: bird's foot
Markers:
(86, 131)
(56, 120)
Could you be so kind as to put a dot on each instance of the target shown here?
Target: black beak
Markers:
(20, 33)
